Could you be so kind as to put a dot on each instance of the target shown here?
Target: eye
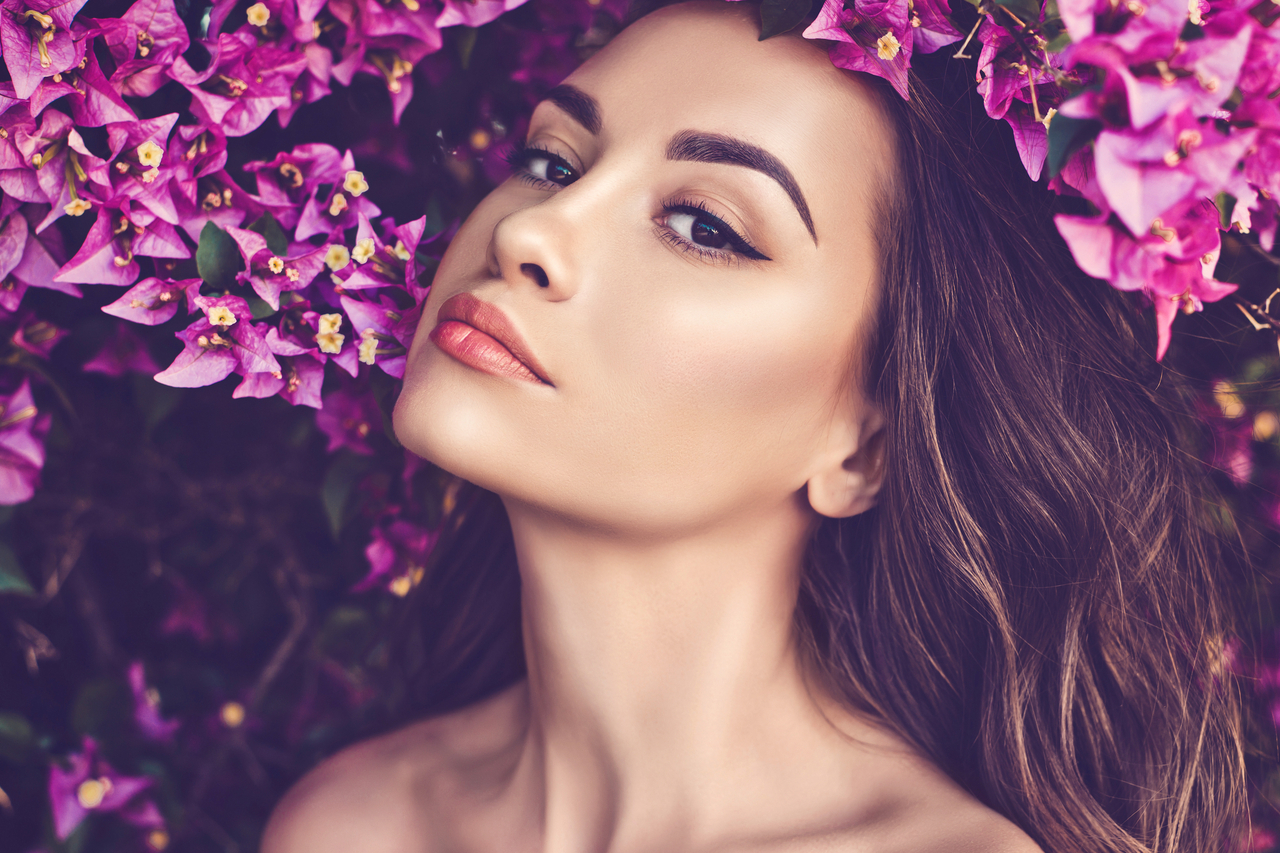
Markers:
(702, 232)
(540, 167)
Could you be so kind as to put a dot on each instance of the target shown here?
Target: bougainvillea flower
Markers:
(1172, 262)
(153, 301)
(378, 263)
(1004, 71)
(37, 336)
(90, 95)
(150, 31)
(124, 352)
(1145, 173)
(341, 208)
(37, 40)
(269, 274)
(397, 557)
(223, 342)
(1143, 29)
(878, 36)
(390, 57)
(109, 252)
(243, 84)
(88, 784)
(146, 706)
(288, 181)
(25, 260)
(22, 433)
(474, 13)
(348, 419)
(385, 331)
(298, 381)
(33, 164)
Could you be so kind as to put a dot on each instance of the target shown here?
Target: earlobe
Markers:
(850, 483)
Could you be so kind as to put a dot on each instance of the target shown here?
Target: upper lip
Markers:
(488, 318)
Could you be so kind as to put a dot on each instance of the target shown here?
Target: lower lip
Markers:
(475, 349)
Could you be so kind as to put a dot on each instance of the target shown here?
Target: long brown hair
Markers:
(1037, 602)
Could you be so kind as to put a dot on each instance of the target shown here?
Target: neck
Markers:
(667, 697)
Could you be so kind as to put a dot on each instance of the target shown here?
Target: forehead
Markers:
(701, 66)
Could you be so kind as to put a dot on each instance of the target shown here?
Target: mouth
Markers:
(479, 335)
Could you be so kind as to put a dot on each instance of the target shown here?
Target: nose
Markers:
(531, 246)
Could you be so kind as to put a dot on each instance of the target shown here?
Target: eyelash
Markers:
(521, 155)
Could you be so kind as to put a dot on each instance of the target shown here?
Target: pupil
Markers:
(558, 172)
(705, 234)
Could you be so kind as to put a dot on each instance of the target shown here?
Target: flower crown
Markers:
(1164, 115)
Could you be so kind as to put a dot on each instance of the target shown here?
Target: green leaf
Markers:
(16, 738)
(102, 709)
(260, 308)
(339, 482)
(267, 226)
(1066, 136)
(12, 579)
(1226, 204)
(780, 16)
(217, 257)
(1026, 10)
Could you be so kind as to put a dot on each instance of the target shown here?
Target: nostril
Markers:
(536, 273)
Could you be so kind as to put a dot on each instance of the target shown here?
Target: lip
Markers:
(479, 335)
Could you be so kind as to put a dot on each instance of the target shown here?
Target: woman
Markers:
(845, 517)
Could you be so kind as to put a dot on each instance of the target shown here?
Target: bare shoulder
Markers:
(390, 794)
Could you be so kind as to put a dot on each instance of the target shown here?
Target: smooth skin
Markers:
(704, 412)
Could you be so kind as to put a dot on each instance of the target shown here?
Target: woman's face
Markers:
(686, 251)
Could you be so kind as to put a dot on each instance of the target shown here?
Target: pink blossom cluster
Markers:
(1167, 112)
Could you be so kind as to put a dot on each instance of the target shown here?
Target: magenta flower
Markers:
(223, 342)
(877, 36)
(1145, 173)
(341, 208)
(38, 41)
(474, 13)
(124, 352)
(92, 98)
(385, 330)
(1172, 262)
(270, 275)
(153, 301)
(108, 254)
(286, 183)
(379, 263)
(1143, 29)
(348, 419)
(25, 260)
(298, 380)
(22, 432)
(397, 556)
(37, 336)
(243, 83)
(144, 42)
(146, 707)
(89, 784)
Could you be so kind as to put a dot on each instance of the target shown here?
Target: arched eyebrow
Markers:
(694, 146)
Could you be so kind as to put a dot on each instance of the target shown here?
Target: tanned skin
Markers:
(702, 412)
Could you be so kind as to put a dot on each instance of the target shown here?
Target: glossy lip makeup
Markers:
(479, 335)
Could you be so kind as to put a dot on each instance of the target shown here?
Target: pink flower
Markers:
(397, 556)
(223, 342)
(385, 329)
(298, 380)
(146, 707)
(124, 352)
(143, 42)
(22, 432)
(89, 784)
(153, 301)
(393, 262)
(340, 209)
(38, 40)
(474, 13)
(92, 98)
(243, 83)
(348, 419)
(286, 183)
(269, 274)
(25, 260)
(877, 36)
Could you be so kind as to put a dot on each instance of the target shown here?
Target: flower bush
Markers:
(252, 198)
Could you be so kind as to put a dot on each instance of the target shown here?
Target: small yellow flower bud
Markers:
(330, 342)
(292, 274)
(220, 315)
(400, 586)
(330, 323)
(92, 792)
(364, 250)
(887, 46)
(337, 257)
(232, 715)
(1265, 425)
(480, 139)
(150, 175)
(149, 154)
(355, 184)
(1224, 394)
(77, 207)
(400, 250)
(258, 14)
(157, 839)
(338, 204)
(368, 347)
(275, 265)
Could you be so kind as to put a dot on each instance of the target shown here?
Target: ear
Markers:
(848, 481)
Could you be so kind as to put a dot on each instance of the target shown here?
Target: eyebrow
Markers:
(694, 146)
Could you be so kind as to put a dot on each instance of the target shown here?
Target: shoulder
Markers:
(391, 794)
